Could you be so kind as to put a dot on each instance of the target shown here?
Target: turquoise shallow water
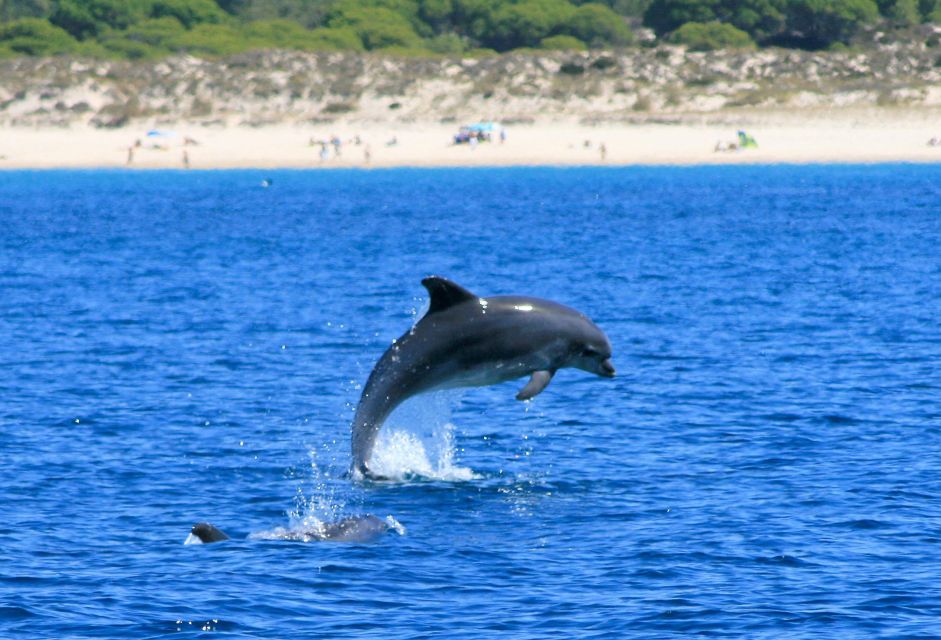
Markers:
(177, 347)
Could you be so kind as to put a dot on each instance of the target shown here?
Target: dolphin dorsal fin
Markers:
(445, 294)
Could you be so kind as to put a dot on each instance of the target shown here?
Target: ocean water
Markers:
(178, 347)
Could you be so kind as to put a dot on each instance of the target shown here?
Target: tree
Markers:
(436, 13)
(762, 19)
(526, 23)
(927, 7)
(664, 16)
(309, 13)
(188, 12)
(821, 23)
(597, 25)
(377, 27)
(15, 9)
(88, 18)
(474, 18)
(904, 12)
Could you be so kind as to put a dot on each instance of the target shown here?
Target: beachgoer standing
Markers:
(186, 159)
(604, 151)
(130, 154)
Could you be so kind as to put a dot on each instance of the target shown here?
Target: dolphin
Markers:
(364, 528)
(205, 533)
(468, 341)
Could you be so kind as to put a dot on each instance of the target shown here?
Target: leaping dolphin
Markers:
(468, 341)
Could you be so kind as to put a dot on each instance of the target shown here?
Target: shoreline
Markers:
(821, 140)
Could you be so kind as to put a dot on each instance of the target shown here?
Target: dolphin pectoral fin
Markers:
(536, 384)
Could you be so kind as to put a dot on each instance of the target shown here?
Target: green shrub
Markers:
(481, 52)
(278, 34)
(188, 12)
(35, 37)
(408, 52)
(336, 39)
(710, 36)
(211, 39)
(156, 32)
(121, 47)
(563, 43)
(449, 44)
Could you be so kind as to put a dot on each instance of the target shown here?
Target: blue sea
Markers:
(178, 347)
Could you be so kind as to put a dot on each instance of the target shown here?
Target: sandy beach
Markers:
(848, 139)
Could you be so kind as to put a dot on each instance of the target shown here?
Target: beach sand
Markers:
(873, 138)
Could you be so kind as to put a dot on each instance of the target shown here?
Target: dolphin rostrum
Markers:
(468, 341)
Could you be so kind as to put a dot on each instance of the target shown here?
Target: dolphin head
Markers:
(590, 350)
(205, 533)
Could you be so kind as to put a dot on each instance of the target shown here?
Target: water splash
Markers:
(417, 441)
(322, 496)
(358, 529)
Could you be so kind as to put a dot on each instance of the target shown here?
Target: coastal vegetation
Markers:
(153, 29)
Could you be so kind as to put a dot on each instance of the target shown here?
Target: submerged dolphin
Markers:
(365, 528)
(468, 341)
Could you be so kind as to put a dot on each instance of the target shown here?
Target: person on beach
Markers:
(367, 154)
(186, 159)
(130, 154)
(604, 151)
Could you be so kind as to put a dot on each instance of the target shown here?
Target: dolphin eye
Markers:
(588, 352)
